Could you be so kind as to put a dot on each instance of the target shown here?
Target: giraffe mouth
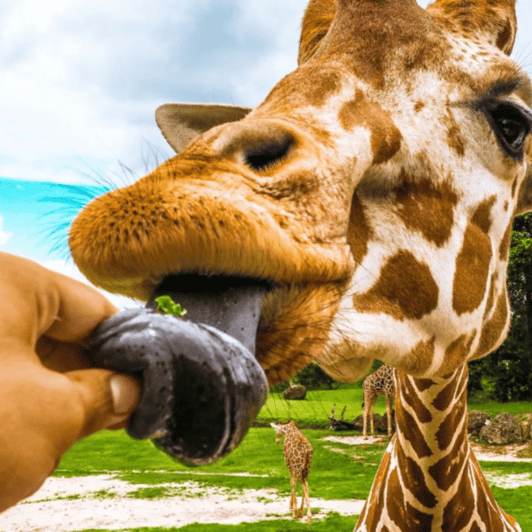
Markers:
(202, 385)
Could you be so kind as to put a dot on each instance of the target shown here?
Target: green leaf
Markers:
(167, 305)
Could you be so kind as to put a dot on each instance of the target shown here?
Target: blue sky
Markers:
(81, 79)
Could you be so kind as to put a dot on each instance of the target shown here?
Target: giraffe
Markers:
(297, 452)
(381, 382)
(373, 190)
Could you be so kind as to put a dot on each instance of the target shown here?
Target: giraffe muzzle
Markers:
(202, 385)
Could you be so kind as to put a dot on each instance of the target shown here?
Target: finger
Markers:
(107, 399)
(82, 309)
(43, 413)
(37, 301)
(61, 356)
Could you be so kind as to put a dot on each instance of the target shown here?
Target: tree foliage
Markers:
(510, 366)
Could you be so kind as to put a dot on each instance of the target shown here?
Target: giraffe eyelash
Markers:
(511, 124)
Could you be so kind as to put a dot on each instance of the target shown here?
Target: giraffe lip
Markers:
(202, 386)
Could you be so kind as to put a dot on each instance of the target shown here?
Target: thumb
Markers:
(107, 398)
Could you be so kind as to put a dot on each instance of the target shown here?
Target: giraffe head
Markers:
(373, 190)
(281, 429)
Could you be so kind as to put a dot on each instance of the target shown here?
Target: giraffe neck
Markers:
(429, 479)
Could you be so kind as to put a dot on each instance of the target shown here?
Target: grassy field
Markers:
(335, 475)
(315, 410)
(332, 522)
(338, 471)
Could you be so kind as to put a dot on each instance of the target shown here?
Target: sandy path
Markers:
(49, 510)
(40, 513)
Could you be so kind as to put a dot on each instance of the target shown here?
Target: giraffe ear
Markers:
(494, 21)
(182, 122)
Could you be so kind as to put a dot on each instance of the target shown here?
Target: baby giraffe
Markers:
(298, 456)
(382, 382)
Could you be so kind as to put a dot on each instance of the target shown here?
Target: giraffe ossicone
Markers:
(374, 191)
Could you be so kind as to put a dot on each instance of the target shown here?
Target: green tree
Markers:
(511, 365)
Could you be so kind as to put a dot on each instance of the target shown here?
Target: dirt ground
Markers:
(49, 510)
(102, 502)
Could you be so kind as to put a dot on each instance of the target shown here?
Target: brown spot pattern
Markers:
(449, 426)
(420, 358)
(373, 509)
(457, 352)
(404, 515)
(504, 246)
(482, 216)
(494, 327)
(491, 295)
(359, 231)
(411, 431)
(405, 289)
(409, 395)
(427, 208)
(472, 268)
(445, 471)
(459, 510)
(514, 187)
(424, 384)
(487, 507)
(419, 105)
(455, 140)
(446, 397)
(385, 137)
(416, 480)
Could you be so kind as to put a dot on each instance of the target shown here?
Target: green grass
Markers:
(479, 401)
(517, 502)
(139, 462)
(338, 471)
(333, 521)
(315, 410)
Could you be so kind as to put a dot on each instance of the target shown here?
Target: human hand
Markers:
(50, 393)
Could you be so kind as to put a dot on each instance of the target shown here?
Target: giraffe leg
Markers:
(302, 508)
(293, 498)
(371, 420)
(365, 419)
(306, 498)
(389, 410)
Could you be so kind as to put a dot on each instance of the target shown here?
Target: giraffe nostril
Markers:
(269, 152)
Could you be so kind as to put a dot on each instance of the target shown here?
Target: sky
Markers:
(80, 81)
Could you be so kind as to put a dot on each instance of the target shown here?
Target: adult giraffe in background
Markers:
(374, 190)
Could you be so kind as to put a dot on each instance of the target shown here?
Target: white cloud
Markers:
(81, 79)
(4, 235)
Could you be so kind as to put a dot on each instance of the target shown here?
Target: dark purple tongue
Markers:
(202, 386)
(231, 305)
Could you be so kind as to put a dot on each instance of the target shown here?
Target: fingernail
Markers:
(125, 393)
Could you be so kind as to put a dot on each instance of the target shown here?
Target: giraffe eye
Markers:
(267, 153)
(511, 125)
